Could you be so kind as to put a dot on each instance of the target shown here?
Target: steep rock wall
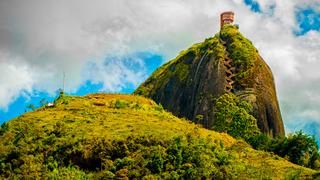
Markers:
(188, 84)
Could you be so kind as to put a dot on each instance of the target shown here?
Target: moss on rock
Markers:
(187, 84)
(242, 52)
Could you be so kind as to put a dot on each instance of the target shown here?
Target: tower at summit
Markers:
(226, 18)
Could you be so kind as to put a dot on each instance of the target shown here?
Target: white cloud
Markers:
(294, 60)
(117, 72)
(55, 36)
(15, 78)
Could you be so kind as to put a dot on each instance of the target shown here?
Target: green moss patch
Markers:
(241, 51)
(181, 66)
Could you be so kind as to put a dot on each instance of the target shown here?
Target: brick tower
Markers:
(226, 18)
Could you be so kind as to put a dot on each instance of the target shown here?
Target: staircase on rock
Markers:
(229, 70)
(186, 85)
(248, 94)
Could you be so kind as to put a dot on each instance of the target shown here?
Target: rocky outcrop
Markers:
(227, 62)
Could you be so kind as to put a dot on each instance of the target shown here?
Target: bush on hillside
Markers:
(182, 157)
(233, 116)
(3, 128)
(62, 99)
(298, 148)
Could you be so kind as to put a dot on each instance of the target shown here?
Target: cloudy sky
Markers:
(113, 45)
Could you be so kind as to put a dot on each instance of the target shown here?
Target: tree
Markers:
(260, 141)
(31, 107)
(43, 102)
(299, 148)
(233, 116)
(3, 128)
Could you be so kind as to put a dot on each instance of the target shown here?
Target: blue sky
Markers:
(19, 106)
(102, 50)
(254, 6)
(309, 19)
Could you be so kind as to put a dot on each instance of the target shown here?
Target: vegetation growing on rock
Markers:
(234, 117)
(241, 50)
(186, 85)
(180, 67)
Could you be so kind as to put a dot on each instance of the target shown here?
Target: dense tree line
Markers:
(233, 116)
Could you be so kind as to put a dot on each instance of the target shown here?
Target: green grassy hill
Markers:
(104, 136)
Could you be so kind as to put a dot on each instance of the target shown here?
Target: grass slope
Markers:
(124, 136)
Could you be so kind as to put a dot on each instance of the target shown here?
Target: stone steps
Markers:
(229, 69)
(245, 93)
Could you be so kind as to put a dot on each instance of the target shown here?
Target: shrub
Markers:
(199, 118)
(3, 128)
(67, 173)
(31, 107)
(120, 104)
(260, 141)
(233, 116)
(62, 99)
(157, 163)
(159, 107)
(299, 148)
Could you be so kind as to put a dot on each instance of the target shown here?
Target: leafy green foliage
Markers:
(212, 46)
(181, 157)
(298, 148)
(241, 49)
(120, 104)
(233, 116)
(242, 52)
(182, 71)
(85, 140)
(31, 107)
(69, 172)
(199, 118)
(260, 141)
(62, 99)
(159, 107)
(3, 128)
